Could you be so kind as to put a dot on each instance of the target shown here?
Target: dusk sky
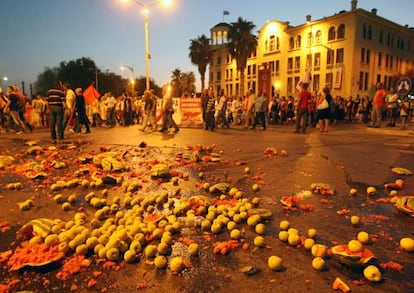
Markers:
(42, 33)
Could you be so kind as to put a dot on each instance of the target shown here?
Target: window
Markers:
(290, 64)
(366, 32)
(330, 57)
(381, 36)
(362, 55)
(361, 78)
(341, 31)
(387, 60)
(218, 75)
(249, 70)
(340, 55)
(331, 33)
(271, 66)
(228, 59)
(289, 85)
(308, 60)
(254, 69)
(328, 79)
(310, 39)
(298, 41)
(368, 58)
(369, 33)
(291, 43)
(366, 81)
(272, 43)
(277, 44)
(316, 82)
(379, 59)
(391, 61)
(318, 37)
(317, 61)
(218, 60)
(297, 79)
(277, 66)
(297, 62)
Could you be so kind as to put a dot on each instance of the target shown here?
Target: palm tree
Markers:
(242, 43)
(200, 55)
(176, 75)
(188, 82)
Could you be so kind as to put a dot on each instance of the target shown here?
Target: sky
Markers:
(36, 34)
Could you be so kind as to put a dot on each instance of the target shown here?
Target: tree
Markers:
(188, 83)
(242, 44)
(176, 82)
(200, 55)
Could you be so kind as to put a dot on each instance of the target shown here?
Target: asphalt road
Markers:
(349, 156)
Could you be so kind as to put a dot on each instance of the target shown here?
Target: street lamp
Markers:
(5, 78)
(145, 9)
(131, 68)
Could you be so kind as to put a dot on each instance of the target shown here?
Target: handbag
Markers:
(323, 105)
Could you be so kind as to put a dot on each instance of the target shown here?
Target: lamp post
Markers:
(145, 9)
(131, 68)
(5, 78)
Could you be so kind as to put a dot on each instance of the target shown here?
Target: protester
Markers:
(70, 98)
(13, 107)
(96, 113)
(302, 108)
(80, 110)
(378, 105)
(210, 110)
(56, 103)
(249, 115)
(221, 110)
(167, 112)
(149, 111)
(392, 107)
(260, 107)
(110, 104)
(323, 107)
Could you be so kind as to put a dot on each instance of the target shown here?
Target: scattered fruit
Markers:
(275, 263)
(353, 192)
(176, 264)
(355, 245)
(372, 273)
(407, 244)
(284, 225)
(311, 233)
(354, 220)
(318, 263)
(363, 237)
(371, 191)
(338, 284)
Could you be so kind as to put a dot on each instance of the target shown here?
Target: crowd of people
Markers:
(319, 109)
(65, 110)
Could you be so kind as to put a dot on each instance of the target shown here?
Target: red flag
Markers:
(90, 94)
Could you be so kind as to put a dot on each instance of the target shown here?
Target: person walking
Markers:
(56, 104)
(249, 115)
(150, 105)
(210, 110)
(221, 110)
(80, 110)
(392, 107)
(302, 108)
(110, 104)
(13, 107)
(260, 106)
(70, 98)
(168, 110)
(378, 105)
(323, 102)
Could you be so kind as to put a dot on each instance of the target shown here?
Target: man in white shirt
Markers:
(70, 104)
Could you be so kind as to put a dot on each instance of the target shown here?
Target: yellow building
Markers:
(349, 52)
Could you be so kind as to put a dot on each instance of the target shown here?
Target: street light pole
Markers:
(145, 9)
(131, 68)
(147, 53)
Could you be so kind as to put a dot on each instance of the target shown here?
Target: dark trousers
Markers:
(210, 123)
(56, 121)
(302, 120)
(168, 121)
(260, 116)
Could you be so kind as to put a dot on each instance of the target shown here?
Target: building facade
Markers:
(349, 52)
